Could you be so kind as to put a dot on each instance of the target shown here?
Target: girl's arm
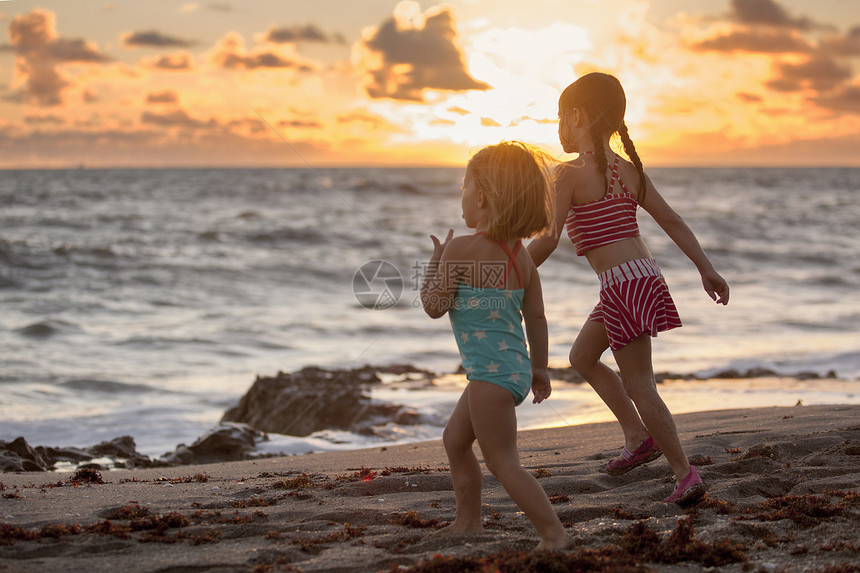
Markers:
(436, 294)
(536, 332)
(541, 248)
(677, 230)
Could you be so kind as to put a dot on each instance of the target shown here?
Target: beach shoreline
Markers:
(783, 496)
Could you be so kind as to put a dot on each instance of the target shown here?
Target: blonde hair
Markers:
(516, 180)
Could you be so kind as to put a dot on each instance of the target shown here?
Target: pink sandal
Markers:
(689, 490)
(646, 452)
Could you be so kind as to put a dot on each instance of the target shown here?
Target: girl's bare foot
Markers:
(552, 544)
(458, 529)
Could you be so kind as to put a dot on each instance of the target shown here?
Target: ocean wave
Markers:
(163, 342)
(828, 281)
(98, 252)
(108, 386)
(46, 328)
(17, 255)
(305, 235)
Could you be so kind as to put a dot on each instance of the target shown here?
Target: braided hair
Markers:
(602, 98)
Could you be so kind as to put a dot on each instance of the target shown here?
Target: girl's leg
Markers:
(634, 361)
(494, 421)
(458, 438)
(585, 355)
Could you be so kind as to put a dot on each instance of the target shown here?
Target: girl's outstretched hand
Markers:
(541, 387)
(716, 287)
(439, 247)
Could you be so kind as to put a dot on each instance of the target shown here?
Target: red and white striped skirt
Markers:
(634, 299)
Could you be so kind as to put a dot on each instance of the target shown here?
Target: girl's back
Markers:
(588, 184)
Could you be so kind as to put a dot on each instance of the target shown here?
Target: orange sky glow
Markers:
(372, 82)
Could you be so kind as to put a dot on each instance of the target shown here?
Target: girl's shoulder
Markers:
(463, 244)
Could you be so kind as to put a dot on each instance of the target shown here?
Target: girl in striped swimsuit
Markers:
(597, 195)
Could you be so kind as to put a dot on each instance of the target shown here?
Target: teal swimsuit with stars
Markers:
(487, 324)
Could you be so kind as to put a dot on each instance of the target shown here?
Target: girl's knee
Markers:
(641, 391)
(502, 466)
(581, 361)
(454, 442)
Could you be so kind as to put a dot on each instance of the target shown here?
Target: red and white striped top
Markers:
(604, 221)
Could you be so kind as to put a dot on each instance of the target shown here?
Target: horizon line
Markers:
(192, 167)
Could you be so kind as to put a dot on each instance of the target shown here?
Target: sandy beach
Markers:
(784, 495)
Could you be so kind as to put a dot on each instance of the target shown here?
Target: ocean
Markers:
(145, 302)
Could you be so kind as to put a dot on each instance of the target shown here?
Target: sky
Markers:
(297, 83)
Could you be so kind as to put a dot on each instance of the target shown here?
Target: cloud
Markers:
(89, 96)
(176, 118)
(154, 39)
(767, 13)
(178, 62)
(253, 125)
(756, 41)
(843, 45)
(162, 97)
(409, 53)
(370, 120)
(765, 27)
(299, 123)
(295, 34)
(761, 26)
(846, 99)
(748, 97)
(40, 52)
(816, 73)
(230, 54)
(44, 119)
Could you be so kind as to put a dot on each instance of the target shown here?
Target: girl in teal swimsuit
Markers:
(487, 284)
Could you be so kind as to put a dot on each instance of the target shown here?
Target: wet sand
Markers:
(783, 495)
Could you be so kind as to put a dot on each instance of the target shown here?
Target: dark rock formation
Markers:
(297, 404)
(19, 456)
(314, 399)
(224, 443)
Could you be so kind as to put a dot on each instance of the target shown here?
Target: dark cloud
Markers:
(63, 50)
(767, 13)
(153, 39)
(253, 125)
(219, 7)
(172, 62)
(846, 99)
(414, 59)
(39, 52)
(765, 27)
(816, 73)
(295, 34)
(44, 120)
(748, 97)
(230, 55)
(162, 97)
(843, 45)
(762, 26)
(756, 41)
(254, 61)
(176, 118)
(300, 123)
